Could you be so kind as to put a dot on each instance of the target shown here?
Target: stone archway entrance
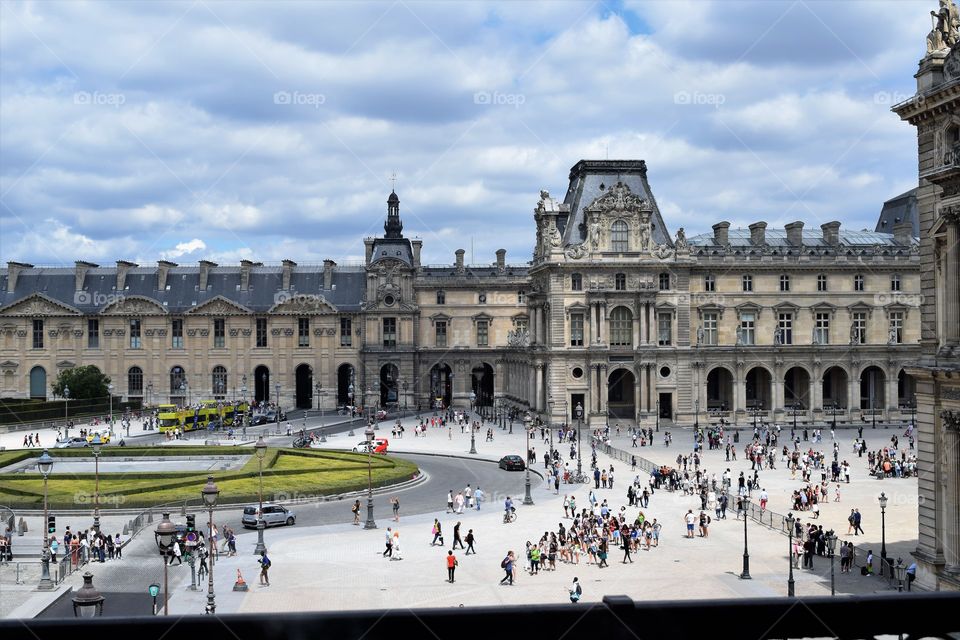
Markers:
(482, 384)
(304, 378)
(621, 402)
(261, 384)
(441, 386)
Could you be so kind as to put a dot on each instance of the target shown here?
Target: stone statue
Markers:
(595, 234)
(778, 335)
(814, 338)
(892, 336)
(700, 334)
(645, 237)
(681, 242)
(946, 27)
(577, 251)
(545, 195)
(555, 238)
(739, 335)
(854, 334)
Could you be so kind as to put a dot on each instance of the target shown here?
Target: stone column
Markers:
(892, 399)
(739, 390)
(951, 494)
(637, 394)
(651, 323)
(816, 393)
(588, 327)
(635, 338)
(538, 405)
(952, 282)
(641, 398)
(603, 389)
(778, 393)
(603, 323)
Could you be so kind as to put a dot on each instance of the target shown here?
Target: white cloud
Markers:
(183, 248)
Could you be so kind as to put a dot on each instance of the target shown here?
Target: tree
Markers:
(85, 383)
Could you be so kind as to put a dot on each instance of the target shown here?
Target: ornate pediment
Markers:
(618, 198)
(66, 364)
(302, 305)
(39, 304)
(219, 306)
(8, 366)
(133, 306)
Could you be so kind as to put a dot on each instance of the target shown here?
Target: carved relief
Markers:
(234, 333)
(135, 306)
(219, 306)
(204, 333)
(38, 305)
(951, 419)
(192, 333)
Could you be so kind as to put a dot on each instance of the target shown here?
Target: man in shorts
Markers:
(691, 520)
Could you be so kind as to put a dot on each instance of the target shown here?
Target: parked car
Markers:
(260, 418)
(380, 446)
(301, 443)
(75, 442)
(273, 514)
(104, 436)
(512, 463)
(381, 415)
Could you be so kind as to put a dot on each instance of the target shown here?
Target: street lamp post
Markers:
(883, 532)
(370, 523)
(405, 385)
(350, 396)
(277, 387)
(210, 493)
(261, 450)
(658, 416)
(790, 520)
(66, 411)
(746, 555)
(88, 603)
(45, 466)
(96, 447)
(900, 572)
(319, 387)
(579, 425)
(165, 536)
(831, 540)
(527, 498)
(473, 446)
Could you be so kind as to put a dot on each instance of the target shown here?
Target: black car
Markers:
(512, 463)
(259, 419)
(301, 443)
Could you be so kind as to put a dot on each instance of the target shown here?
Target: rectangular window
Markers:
(896, 327)
(219, 333)
(38, 334)
(176, 333)
(576, 330)
(346, 332)
(441, 333)
(821, 329)
(858, 334)
(621, 328)
(576, 282)
(261, 332)
(748, 328)
(93, 333)
(664, 329)
(784, 283)
(895, 282)
(520, 325)
(747, 283)
(135, 333)
(664, 282)
(709, 283)
(619, 238)
(483, 329)
(620, 282)
(441, 297)
(710, 328)
(858, 282)
(303, 332)
(389, 332)
(520, 297)
(785, 323)
(821, 282)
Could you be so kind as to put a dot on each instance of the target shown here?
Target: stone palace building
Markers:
(613, 313)
(935, 112)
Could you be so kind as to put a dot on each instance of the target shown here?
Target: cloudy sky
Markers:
(202, 129)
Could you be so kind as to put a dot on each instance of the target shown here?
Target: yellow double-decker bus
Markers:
(169, 417)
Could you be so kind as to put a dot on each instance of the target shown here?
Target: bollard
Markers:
(126, 530)
(22, 528)
(149, 516)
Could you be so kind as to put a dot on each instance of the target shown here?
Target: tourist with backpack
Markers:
(575, 591)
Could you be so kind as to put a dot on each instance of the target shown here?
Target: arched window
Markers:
(178, 380)
(621, 327)
(619, 236)
(135, 381)
(219, 381)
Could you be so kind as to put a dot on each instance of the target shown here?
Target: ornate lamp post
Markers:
(96, 447)
(165, 536)
(579, 425)
(88, 603)
(66, 411)
(319, 388)
(149, 423)
(261, 450)
(900, 572)
(527, 498)
(210, 493)
(790, 520)
(45, 466)
(831, 540)
(154, 591)
(404, 385)
(473, 446)
(746, 555)
(277, 387)
(883, 532)
(350, 396)
(370, 523)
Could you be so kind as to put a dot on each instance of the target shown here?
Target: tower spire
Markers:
(393, 228)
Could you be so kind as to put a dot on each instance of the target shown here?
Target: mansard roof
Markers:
(812, 238)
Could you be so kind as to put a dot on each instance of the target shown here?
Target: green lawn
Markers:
(287, 474)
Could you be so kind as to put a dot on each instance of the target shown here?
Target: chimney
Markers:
(903, 233)
(81, 272)
(831, 233)
(417, 246)
(459, 263)
(720, 235)
(123, 268)
(245, 266)
(163, 268)
(501, 259)
(205, 266)
(795, 233)
(328, 266)
(13, 271)
(288, 266)
(758, 233)
(368, 245)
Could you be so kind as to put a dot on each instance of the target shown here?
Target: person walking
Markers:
(856, 522)
(265, 564)
(395, 505)
(470, 540)
(177, 554)
(437, 533)
(626, 550)
(478, 497)
(575, 591)
(507, 565)
(396, 554)
(691, 520)
(389, 543)
(456, 536)
(451, 566)
(356, 512)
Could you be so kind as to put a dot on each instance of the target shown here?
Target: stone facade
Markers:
(935, 111)
(614, 314)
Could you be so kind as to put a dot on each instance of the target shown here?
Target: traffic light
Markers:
(51, 524)
(191, 523)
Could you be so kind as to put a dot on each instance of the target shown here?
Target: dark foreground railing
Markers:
(616, 617)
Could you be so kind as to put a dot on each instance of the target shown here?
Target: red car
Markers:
(379, 446)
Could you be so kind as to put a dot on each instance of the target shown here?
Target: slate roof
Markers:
(811, 238)
(902, 208)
